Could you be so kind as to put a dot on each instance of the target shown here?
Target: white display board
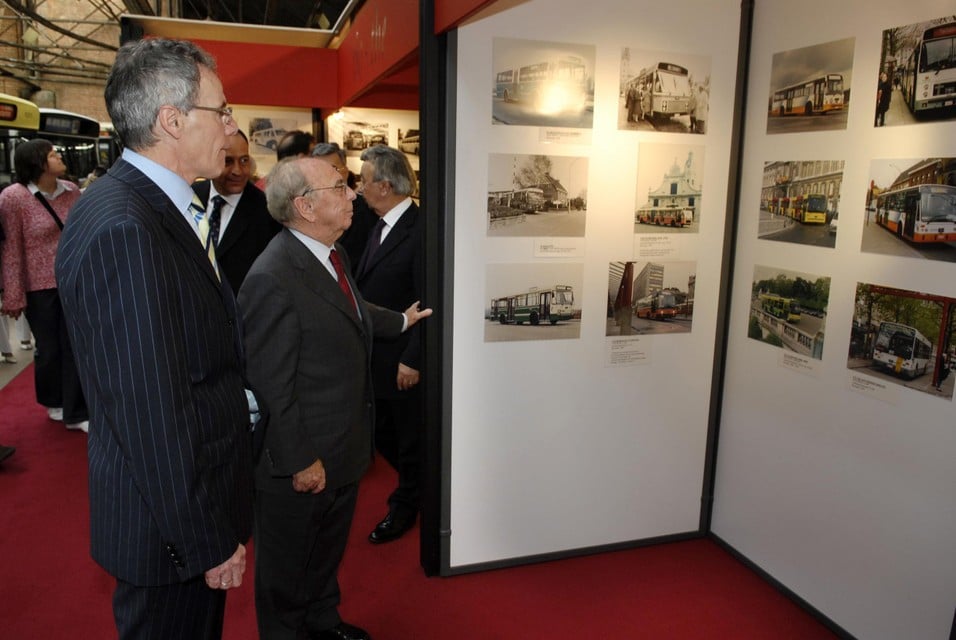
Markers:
(564, 437)
(836, 479)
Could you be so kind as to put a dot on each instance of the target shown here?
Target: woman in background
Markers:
(32, 213)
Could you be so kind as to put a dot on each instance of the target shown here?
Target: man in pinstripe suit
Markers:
(159, 353)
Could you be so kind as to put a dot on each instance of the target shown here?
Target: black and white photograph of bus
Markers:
(669, 188)
(537, 195)
(650, 298)
(799, 202)
(542, 84)
(788, 310)
(533, 301)
(918, 64)
(903, 337)
(810, 88)
(663, 91)
(911, 208)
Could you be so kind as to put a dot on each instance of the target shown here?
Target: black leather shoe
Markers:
(342, 631)
(6, 452)
(391, 528)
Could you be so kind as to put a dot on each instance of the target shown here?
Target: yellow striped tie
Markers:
(198, 212)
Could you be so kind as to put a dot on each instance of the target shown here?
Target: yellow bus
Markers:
(19, 120)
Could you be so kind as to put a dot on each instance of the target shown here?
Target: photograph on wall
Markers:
(810, 88)
(265, 133)
(800, 202)
(788, 309)
(542, 84)
(537, 195)
(911, 209)
(355, 129)
(650, 298)
(358, 136)
(904, 337)
(916, 81)
(540, 301)
(669, 188)
(661, 91)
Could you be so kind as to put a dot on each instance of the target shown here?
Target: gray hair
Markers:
(285, 181)
(328, 148)
(393, 167)
(146, 75)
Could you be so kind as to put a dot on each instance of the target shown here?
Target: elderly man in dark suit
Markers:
(390, 274)
(309, 334)
(158, 353)
(239, 217)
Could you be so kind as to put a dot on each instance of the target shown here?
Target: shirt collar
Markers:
(177, 189)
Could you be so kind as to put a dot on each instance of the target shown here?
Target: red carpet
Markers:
(49, 587)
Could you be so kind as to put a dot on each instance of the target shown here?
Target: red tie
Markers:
(343, 281)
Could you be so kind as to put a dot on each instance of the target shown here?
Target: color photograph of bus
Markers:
(903, 337)
(650, 298)
(76, 137)
(919, 61)
(788, 310)
(663, 91)
(542, 83)
(799, 200)
(537, 195)
(810, 88)
(911, 208)
(669, 189)
(533, 302)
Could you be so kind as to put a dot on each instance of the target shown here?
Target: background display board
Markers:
(835, 470)
(591, 180)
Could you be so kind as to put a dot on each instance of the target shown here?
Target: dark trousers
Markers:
(299, 542)
(183, 610)
(55, 377)
(398, 426)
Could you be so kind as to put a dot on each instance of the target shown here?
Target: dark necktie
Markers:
(215, 218)
(343, 281)
(374, 241)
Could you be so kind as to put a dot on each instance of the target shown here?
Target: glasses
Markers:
(340, 186)
(224, 112)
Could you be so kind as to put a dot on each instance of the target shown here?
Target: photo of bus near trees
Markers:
(904, 337)
(916, 80)
(788, 309)
(911, 209)
(661, 91)
(533, 301)
(650, 298)
(799, 202)
(537, 195)
(542, 84)
(810, 88)
(669, 189)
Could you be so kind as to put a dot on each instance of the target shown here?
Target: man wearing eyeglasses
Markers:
(308, 336)
(159, 355)
(245, 226)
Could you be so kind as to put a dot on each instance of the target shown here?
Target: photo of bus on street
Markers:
(669, 188)
(662, 91)
(542, 84)
(800, 202)
(537, 195)
(810, 88)
(916, 81)
(903, 337)
(911, 209)
(650, 298)
(533, 301)
(788, 309)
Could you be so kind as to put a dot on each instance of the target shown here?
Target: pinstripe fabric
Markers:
(154, 336)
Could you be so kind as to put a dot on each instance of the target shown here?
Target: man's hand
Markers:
(407, 377)
(228, 575)
(413, 315)
(311, 479)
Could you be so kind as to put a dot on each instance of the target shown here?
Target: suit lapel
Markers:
(395, 237)
(317, 278)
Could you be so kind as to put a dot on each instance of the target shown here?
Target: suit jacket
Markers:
(155, 338)
(250, 230)
(309, 355)
(393, 278)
